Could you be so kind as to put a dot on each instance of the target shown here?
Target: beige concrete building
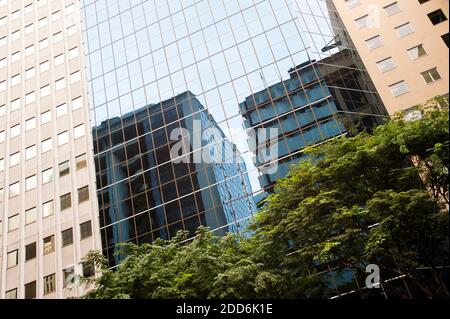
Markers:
(404, 46)
(48, 219)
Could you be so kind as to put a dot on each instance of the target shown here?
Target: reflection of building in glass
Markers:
(222, 52)
(144, 195)
(306, 109)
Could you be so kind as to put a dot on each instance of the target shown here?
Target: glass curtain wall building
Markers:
(235, 65)
(305, 110)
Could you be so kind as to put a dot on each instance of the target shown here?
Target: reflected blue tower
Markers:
(144, 194)
(310, 107)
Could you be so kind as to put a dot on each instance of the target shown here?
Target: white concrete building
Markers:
(48, 219)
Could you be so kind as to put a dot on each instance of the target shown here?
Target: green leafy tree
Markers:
(365, 202)
(379, 198)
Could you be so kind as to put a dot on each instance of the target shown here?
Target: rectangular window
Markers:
(30, 290)
(49, 284)
(11, 294)
(13, 222)
(417, 52)
(63, 138)
(69, 277)
(49, 244)
(57, 37)
(446, 39)
(61, 110)
(75, 77)
(73, 53)
(15, 104)
(46, 145)
(30, 98)
(2, 110)
(88, 269)
(60, 84)
(83, 194)
(363, 22)
(437, 17)
(14, 189)
(81, 161)
(30, 183)
(85, 230)
(42, 22)
(399, 88)
(431, 75)
(30, 152)
(47, 209)
(47, 176)
(2, 165)
(30, 73)
(70, 9)
(29, 50)
(28, 8)
(14, 159)
(44, 66)
(67, 237)
(12, 258)
(30, 124)
(29, 29)
(15, 130)
(15, 80)
(15, 57)
(43, 44)
(77, 103)
(30, 215)
(15, 15)
(59, 59)
(46, 117)
(352, 3)
(15, 35)
(79, 131)
(386, 64)
(65, 201)
(392, 9)
(45, 91)
(30, 251)
(3, 63)
(56, 15)
(71, 30)
(64, 168)
(404, 30)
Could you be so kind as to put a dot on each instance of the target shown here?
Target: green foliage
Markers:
(374, 198)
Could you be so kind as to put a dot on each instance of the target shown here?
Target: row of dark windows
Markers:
(66, 199)
(67, 239)
(88, 270)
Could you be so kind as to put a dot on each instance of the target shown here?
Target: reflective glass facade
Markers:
(157, 67)
(146, 193)
(305, 109)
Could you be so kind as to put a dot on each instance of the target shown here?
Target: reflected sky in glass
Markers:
(223, 51)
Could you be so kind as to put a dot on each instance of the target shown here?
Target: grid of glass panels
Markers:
(232, 65)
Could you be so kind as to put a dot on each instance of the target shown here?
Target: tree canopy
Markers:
(374, 198)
